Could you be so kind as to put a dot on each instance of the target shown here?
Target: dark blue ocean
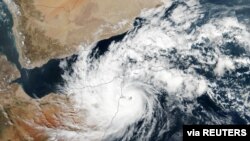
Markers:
(41, 81)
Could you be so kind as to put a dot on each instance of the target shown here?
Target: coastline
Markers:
(40, 42)
(18, 38)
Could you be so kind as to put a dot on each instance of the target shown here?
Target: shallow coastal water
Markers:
(39, 81)
(160, 75)
(36, 82)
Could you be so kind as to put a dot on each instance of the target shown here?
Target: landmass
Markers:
(46, 29)
(53, 29)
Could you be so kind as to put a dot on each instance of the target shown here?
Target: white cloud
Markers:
(224, 64)
(115, 93)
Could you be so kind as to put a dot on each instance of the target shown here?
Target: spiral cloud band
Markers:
(186, 62)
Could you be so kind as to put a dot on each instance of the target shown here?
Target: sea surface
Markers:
(7, 40)
(174, 70)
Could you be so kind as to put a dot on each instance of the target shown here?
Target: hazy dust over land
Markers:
(56, 28)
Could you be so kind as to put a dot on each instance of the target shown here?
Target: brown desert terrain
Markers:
(46, 29)
(25, 119)
(53, 29)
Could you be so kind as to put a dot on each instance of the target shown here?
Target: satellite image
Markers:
(122, 70)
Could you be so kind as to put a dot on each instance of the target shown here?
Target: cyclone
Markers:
(186, 62)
